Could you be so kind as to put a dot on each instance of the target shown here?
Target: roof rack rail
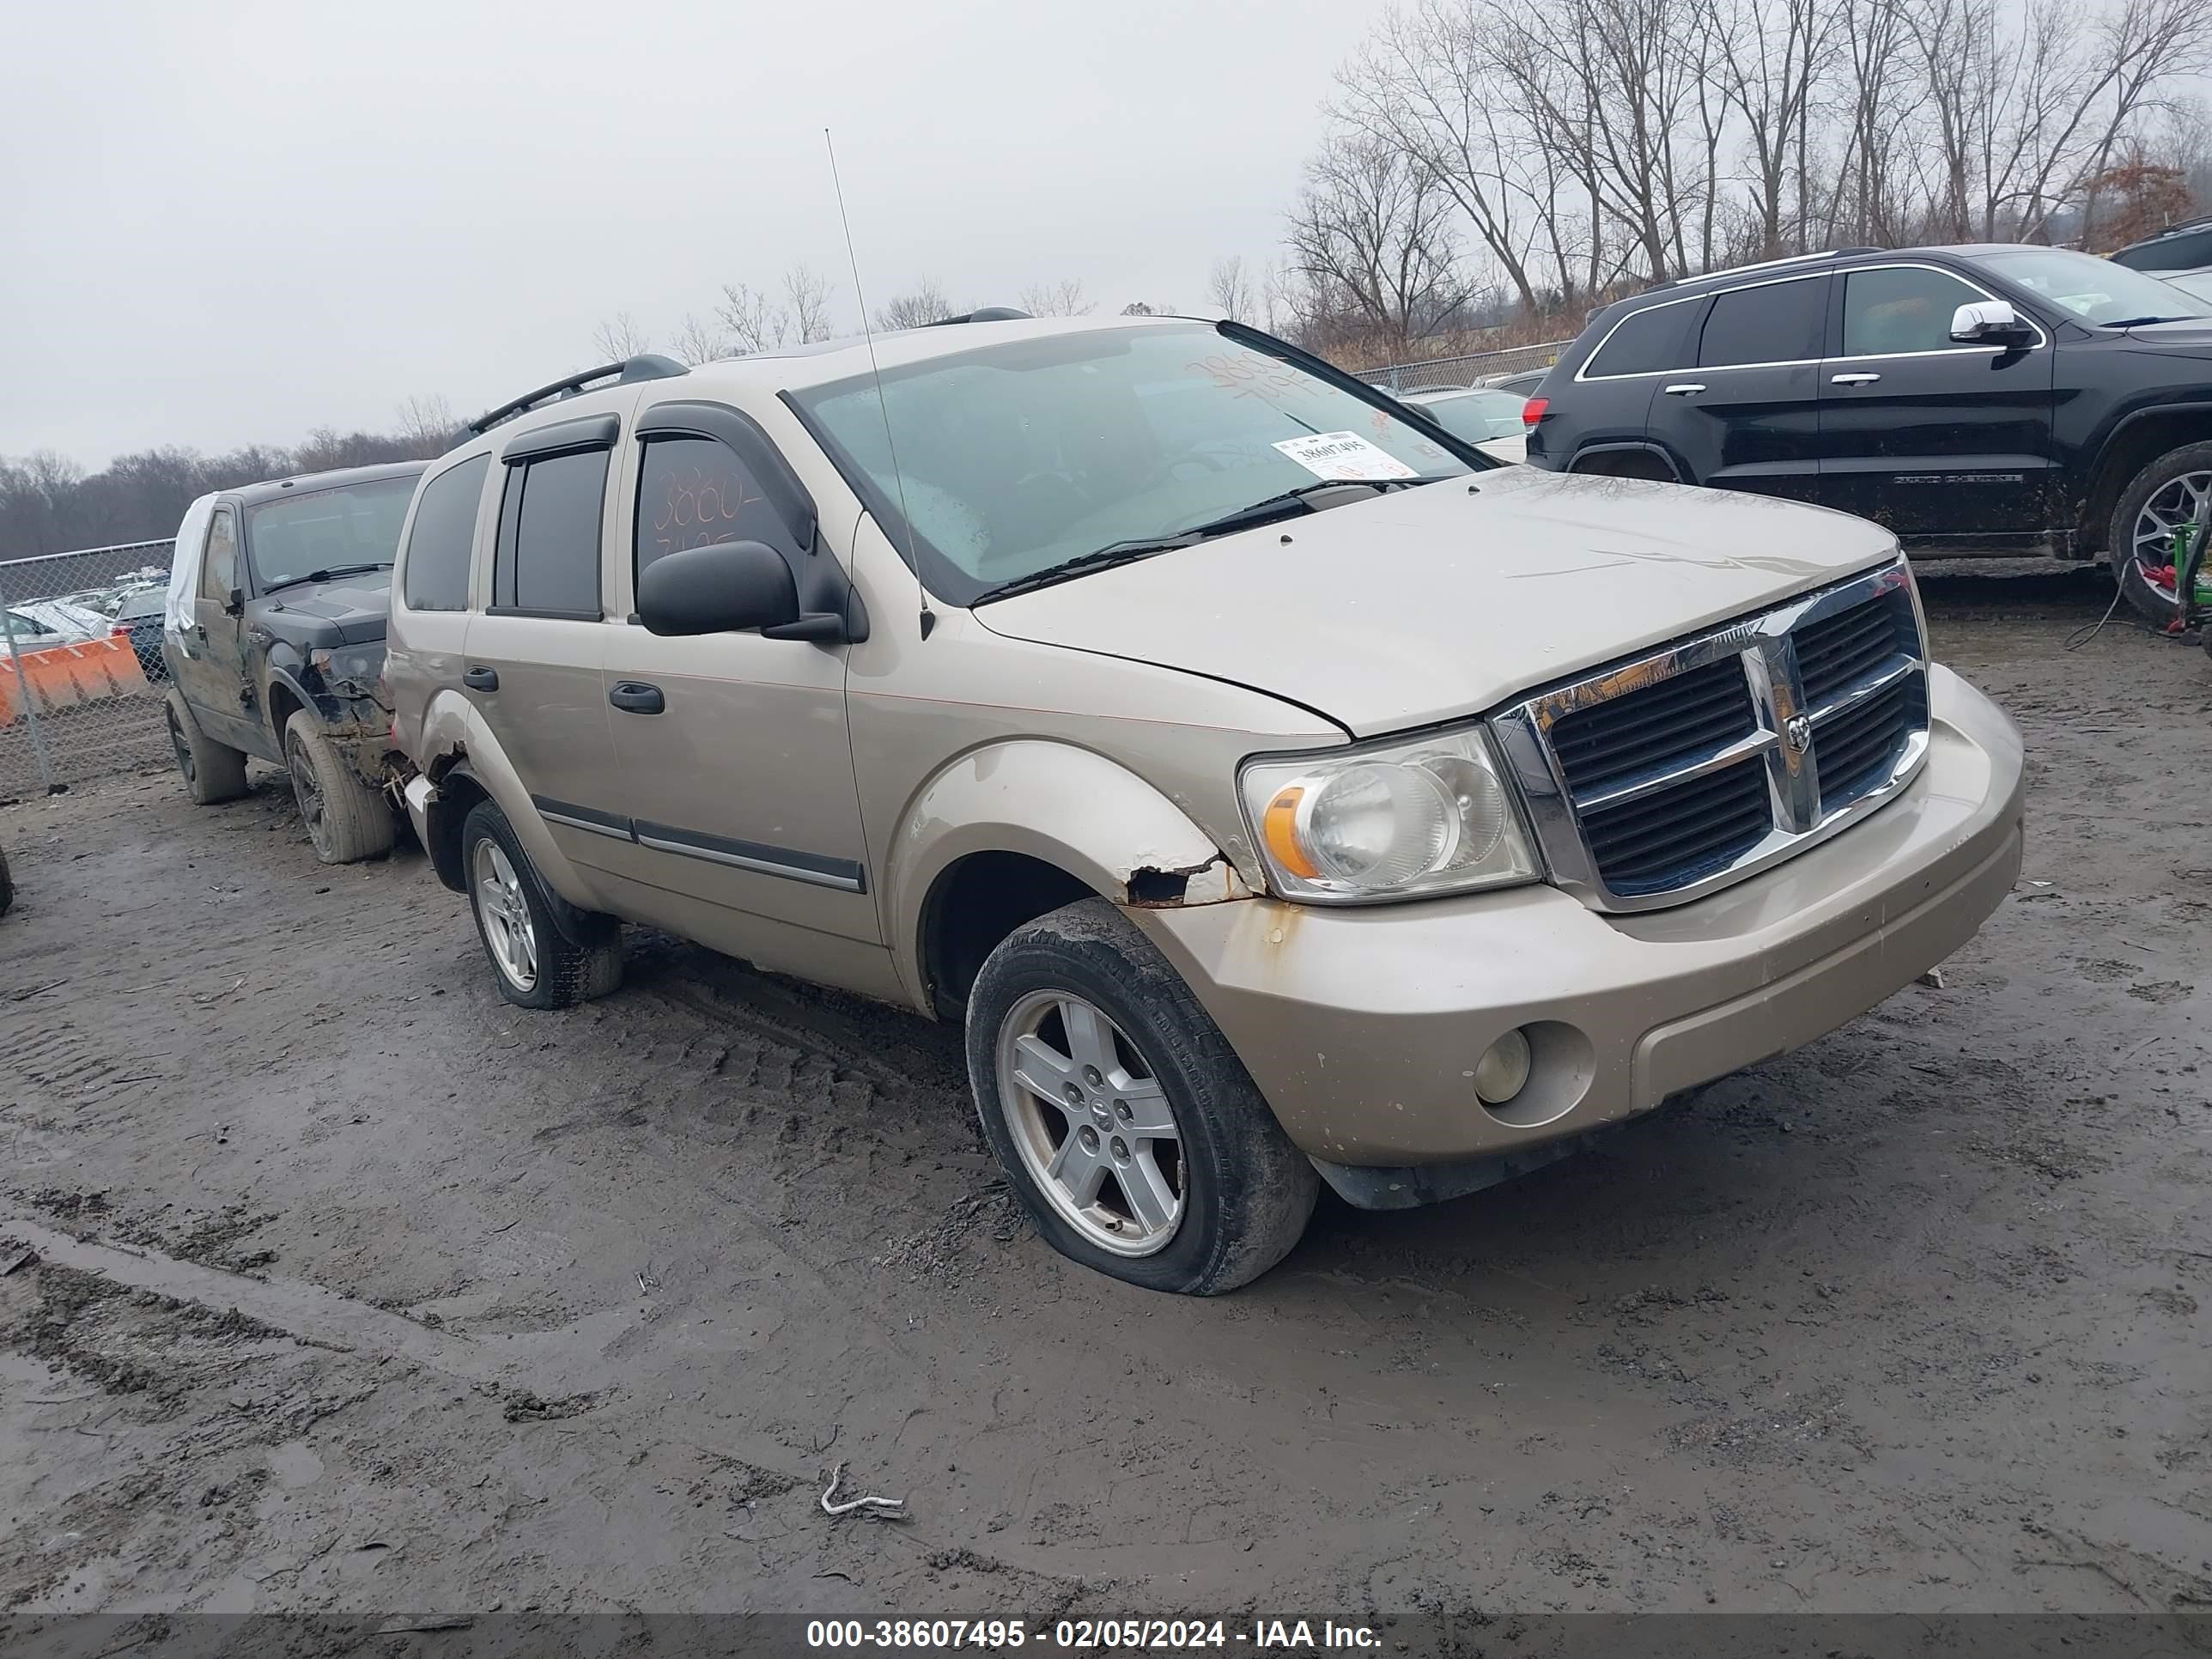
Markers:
(983, 314)
(646, 365)
(1770, 265)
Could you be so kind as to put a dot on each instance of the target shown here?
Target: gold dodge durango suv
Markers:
(1279, 789)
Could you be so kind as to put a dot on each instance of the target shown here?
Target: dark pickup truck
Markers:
(274, 646)
(1998, 399)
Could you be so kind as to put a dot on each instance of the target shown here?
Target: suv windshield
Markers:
(347, 527)
(1015, 459)
(2095, 290)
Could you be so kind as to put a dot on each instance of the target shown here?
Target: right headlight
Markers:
(1398, 819)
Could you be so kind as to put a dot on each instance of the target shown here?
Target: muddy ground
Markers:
(352, 1287)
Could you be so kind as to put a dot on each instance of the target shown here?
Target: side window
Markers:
(219, 564)
(438, 546)
(2169, 253)
(691, 491)
(548, 560)
(1895, 310)
(1773, 323)
(1645, 343)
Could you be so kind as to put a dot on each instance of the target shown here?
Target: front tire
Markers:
(534, 964)
(2175, 490)
(346, 819)
(211, 772)
(1136, 1140)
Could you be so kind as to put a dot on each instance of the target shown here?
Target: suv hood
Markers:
(351, 610)
(2187, 337)
(1433, 602)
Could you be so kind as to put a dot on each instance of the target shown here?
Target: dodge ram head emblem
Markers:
(1797, 732)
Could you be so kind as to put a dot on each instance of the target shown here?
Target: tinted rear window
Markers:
(438, 546)
(1645, 343)
(553, 563)
(2184, 253)
(1773, 323)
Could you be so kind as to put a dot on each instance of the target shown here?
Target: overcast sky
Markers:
(228, 222)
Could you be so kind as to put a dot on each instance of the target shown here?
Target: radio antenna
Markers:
(898, 478)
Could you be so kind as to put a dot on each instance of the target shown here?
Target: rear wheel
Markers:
(2174, 492)
(535, 964)
(346, 819)
(211, 772)
(1134, 1136)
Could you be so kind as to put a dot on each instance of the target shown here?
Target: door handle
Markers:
(1684, 389)
(481, 679)
(1855, 380)
(636, 697)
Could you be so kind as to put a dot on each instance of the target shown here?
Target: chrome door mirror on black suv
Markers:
(1987, 322)
(721, 588)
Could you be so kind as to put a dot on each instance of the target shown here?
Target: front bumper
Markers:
(1362, 1026)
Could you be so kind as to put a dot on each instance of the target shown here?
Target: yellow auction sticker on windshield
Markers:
(1345, 458)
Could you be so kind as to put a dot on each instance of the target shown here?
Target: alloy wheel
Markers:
(184, 749)
(505, 912)
(307, 790)
(2184, 500)
(1092, 1123)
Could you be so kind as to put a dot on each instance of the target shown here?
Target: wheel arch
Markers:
(1626, 460)
(2133, 444)
(1013, 830)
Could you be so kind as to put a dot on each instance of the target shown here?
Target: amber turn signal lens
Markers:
(1279, 824)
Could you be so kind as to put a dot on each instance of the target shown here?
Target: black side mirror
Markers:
(721, 588)
(235, 604)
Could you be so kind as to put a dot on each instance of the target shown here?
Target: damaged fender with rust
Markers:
(1066, 807)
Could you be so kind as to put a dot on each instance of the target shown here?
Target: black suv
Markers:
(2177, 247)
(275, 644)
(1998, 399)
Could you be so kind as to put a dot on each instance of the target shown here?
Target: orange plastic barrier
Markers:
(64, 675)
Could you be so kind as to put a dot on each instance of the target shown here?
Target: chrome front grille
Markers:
(1663, 778)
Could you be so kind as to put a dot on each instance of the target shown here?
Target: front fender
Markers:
(454, 733)
(1069, 807)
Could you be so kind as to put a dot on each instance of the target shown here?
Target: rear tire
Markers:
(211, 772)
(1150, 1155)
(2159, 494)
(346, 819)
(534, 964)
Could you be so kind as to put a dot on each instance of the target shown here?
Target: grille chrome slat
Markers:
(1664, 778)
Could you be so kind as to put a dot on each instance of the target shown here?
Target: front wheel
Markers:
(2170, 496)
(1136, 1140)
(536, 965)
(346, 819)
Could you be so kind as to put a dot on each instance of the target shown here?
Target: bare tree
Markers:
(1062, 299)
(427, 425)
(1229, 289)
(1371, 240)
(806, 294)
(618, 339)
(698, 340)
(926, 304)
(750, 320)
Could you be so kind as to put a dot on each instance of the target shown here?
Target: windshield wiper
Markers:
(2138, 322)
(326, 576)
(1105, 558)
(1128, 552)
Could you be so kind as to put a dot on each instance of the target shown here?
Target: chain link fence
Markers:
(82, 679)
(1475, 368)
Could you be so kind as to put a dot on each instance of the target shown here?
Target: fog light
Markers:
(1503, 1071)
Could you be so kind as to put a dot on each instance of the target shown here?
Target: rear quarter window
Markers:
(444, 534)
(1647, 342)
